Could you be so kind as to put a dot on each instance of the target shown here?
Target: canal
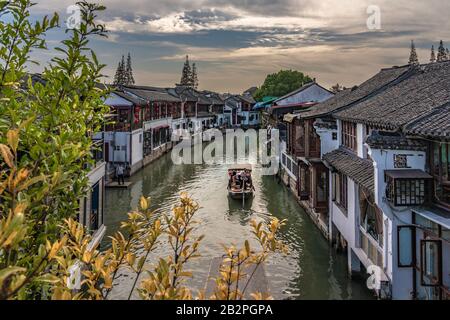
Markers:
(311, 270)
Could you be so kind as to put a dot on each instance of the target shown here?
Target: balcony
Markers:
(372, 250)
(407, 187)
(120, 127)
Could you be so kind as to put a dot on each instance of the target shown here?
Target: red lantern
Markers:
(137, 117)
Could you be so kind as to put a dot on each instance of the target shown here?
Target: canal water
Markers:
(311, 270)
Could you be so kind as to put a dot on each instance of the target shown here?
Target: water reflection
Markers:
(311, 271)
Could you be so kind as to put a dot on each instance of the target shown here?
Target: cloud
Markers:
(237, 42)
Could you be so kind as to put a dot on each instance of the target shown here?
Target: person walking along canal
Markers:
(120, 174)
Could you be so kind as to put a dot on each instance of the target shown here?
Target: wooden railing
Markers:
(371, 250)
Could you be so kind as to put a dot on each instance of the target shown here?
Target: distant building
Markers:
(250, 92)
(250, 118)
(124, 137)
(281, 114)
(162, 115)
(303, 98)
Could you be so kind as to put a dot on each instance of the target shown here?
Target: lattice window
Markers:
(406, 192)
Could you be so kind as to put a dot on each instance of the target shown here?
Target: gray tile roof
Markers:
(184, 93)
(151, 88)
(367, 89)
(359, 170)
(214, 97)
(302, 88)
(232, 101)
(132, 98)
(152, 96)
(250, 91)
(394, 141)
(247, 98)
(201, 98)
(328, 106)
(435, 124)
(418, 95)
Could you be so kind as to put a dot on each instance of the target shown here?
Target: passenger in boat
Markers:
(239, 180)
(248, 179)
(234, 179)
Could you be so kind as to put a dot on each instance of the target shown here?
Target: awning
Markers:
(407, 174)
(295, 105)
(241, 167)
(437, 216)
(259, 105)
(161, 127)
(267, 102)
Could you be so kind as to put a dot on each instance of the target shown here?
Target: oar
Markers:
(244, 180)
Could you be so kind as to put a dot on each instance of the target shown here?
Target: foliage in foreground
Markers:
(46, 129)
(47, 123)
(71, 268)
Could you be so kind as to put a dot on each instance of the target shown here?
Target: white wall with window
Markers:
(328, 139)
(344, 207)
(92, 206)
(137, 147)
(118, 146)
(396, 196)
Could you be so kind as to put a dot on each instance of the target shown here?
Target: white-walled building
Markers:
(389, 180)
(311, 92)
(232, 111)
(249, 117)
(124, 138)
(301, 166)
(92, 206)
(162, 113)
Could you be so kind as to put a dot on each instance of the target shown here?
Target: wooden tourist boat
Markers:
(240, 183)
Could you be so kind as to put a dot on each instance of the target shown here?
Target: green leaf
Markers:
(48, 278)
(10, 271)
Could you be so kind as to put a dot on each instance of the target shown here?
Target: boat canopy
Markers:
(240, 167)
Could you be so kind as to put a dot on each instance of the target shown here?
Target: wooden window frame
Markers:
(340, 198)
(343, 191)
(438, 176)
(413, 246)
(333, 187)
(423, 262)
(349, 135)
(407, 191)
(319, 172)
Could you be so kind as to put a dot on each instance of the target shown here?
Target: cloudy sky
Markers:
(236, 43)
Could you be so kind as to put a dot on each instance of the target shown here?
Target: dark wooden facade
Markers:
(302, 140)
(125, 119)
(304, 145)
(190, 109)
